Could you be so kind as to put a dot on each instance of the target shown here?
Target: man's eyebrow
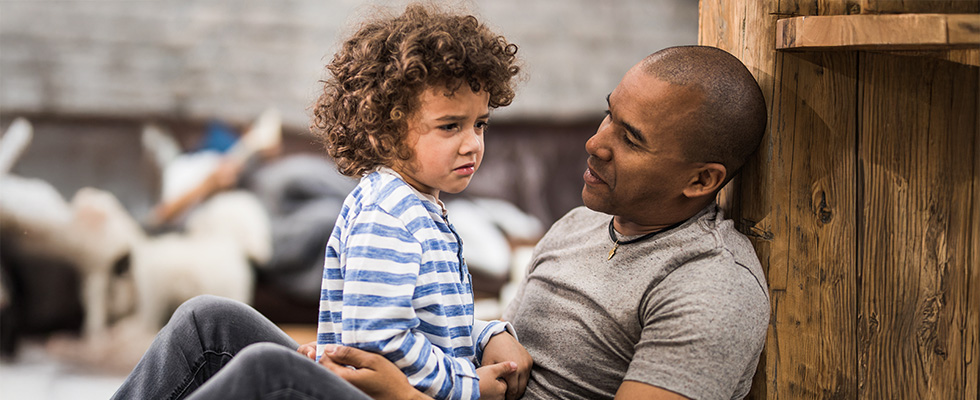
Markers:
(632, 130)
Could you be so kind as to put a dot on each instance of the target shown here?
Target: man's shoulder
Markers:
(735, 247)
(708, 248)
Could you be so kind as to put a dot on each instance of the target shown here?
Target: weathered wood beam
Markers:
(879, 32)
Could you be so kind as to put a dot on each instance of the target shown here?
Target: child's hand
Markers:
(308, 350)
(493, 385)
(503, 347)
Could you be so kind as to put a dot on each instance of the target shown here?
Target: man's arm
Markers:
(631, 390)
(372, 373)
(703, 330)
(382, 380)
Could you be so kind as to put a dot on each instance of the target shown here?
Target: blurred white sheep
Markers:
(128, 278)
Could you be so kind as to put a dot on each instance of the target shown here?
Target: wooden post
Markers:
(863, 203)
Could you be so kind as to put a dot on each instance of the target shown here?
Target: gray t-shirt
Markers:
(686, 310)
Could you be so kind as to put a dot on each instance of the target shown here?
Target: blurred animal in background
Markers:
(98, 241)
(223, 239)
(30, 209)
(33, 219)
(128, 282)
(129, 295)
(126, 273)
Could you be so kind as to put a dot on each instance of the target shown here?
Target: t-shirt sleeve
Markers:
(704, 326)
(380, 275)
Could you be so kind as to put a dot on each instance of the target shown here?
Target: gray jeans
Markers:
(215, 348)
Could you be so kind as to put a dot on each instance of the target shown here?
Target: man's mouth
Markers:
(591, 178)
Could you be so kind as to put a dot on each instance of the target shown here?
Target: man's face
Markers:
(636, 169)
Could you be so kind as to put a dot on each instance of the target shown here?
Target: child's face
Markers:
(446, 135)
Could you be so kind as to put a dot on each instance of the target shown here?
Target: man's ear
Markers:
(707, 179)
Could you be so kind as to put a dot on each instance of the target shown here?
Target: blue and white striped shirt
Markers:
(395, 283)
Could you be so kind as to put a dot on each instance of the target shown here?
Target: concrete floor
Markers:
(35, 376)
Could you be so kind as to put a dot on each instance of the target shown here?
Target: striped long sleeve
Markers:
(394, 283)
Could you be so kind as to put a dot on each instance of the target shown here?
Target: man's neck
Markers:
(632, 226)
(629, 228)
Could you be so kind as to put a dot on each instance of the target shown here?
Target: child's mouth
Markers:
(467, 169)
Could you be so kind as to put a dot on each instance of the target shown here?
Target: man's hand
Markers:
(503, 347)
(308, 350)
(493, 385)
(372, 373)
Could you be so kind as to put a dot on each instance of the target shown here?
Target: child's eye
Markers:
(482, 125)
(450, 127)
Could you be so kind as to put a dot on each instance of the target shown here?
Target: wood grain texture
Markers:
(814, 315)
(817, 7)
(879, 32)
(863, 203)
(917, 152)
(972, 336)
(962, 56)
(919, 6)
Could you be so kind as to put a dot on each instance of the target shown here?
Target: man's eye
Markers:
(629, 142)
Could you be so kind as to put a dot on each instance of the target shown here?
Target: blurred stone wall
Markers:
(88, 73)
(232, 59)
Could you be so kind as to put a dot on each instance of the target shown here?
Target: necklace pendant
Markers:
(612, 251)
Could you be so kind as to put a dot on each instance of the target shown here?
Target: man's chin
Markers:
(594, 202)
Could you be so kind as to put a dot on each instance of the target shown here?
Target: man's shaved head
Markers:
(730, 123)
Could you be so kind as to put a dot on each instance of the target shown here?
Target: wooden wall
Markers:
(864, 205)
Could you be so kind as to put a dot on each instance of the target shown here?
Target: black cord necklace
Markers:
(617, 242)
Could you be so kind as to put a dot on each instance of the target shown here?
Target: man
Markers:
(646, 293)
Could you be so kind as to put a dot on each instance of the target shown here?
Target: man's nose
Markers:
(597, 145)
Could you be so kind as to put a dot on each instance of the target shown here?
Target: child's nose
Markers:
(472, 142)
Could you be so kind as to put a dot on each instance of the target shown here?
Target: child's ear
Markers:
(707, 179)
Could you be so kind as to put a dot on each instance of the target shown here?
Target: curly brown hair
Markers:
(378, 75)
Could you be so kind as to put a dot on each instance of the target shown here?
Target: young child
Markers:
(405, 108)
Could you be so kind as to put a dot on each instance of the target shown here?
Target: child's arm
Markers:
(382, 264)
(504, 348)
(483, 331)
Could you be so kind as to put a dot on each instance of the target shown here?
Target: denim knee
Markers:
(207, 304)
(267, 357)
